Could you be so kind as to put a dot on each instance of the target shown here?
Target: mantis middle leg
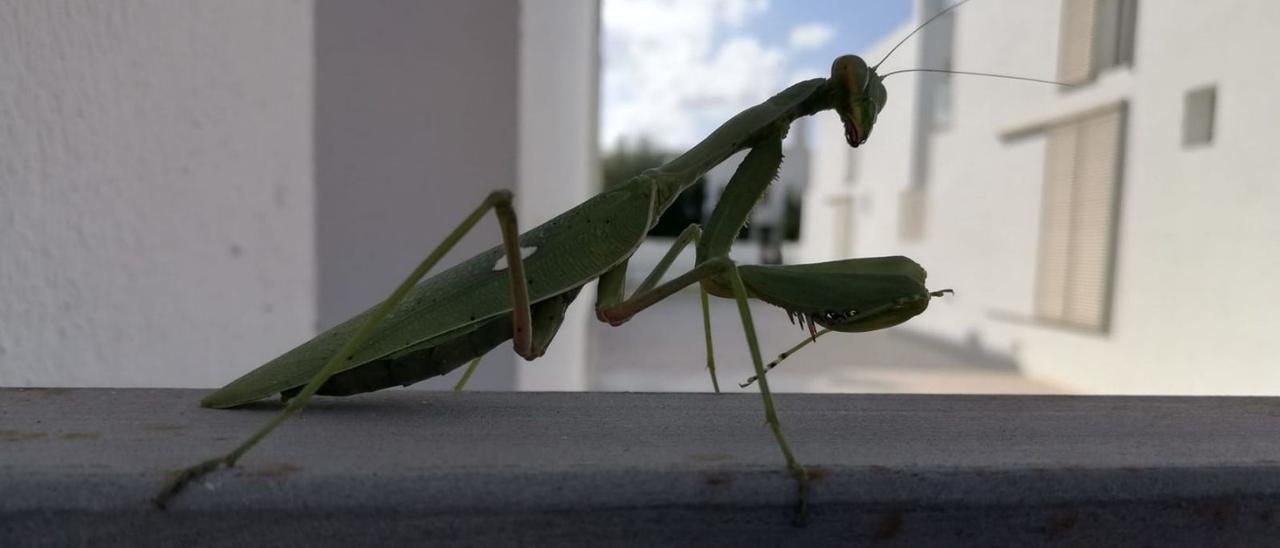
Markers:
(722, 266)
(613, 289)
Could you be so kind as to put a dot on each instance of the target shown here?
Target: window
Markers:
(1197, 116)
(1096, 35)
(1078, 219)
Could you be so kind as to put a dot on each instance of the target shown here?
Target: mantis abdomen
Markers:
(417, 364)
(444, 354)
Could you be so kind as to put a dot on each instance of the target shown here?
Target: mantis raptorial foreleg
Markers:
(522, 332)
(885, 308)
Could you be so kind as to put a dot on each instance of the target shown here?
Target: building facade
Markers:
(1116, 236)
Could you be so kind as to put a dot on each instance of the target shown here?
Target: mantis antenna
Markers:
(917, 29)
(987, 74)
(968, 73)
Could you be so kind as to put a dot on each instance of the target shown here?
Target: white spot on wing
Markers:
(525, 253)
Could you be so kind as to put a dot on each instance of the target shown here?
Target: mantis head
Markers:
(858, 90)
(859, 96)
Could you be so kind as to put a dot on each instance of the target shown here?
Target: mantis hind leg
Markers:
(547, 317)
(501, 203)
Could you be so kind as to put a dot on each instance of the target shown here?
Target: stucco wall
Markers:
(155, 189)
(422, 109)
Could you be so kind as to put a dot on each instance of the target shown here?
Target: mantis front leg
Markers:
(748, 327)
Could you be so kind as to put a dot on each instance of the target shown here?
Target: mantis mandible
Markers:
(520, 289)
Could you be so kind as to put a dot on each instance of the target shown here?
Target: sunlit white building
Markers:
(1116, 237)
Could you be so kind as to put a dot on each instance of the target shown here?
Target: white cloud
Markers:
(811, 36)
(670, 73)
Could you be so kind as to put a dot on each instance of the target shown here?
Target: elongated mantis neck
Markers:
(760, 128)
(744, 130)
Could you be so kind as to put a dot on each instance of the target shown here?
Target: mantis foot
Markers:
(179, 481)
(801, 516)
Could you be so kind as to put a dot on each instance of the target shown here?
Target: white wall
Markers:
(423, 108)
(1198, 235)
(161, 221)
(155, 189)
(1193, 312)
(558, 165)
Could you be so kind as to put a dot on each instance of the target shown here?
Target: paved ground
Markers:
(662, 350)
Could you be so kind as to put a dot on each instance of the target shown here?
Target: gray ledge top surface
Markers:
(73, 456)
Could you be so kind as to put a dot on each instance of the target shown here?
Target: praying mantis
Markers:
(519, 290)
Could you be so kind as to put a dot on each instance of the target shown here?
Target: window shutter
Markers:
(1055, 222)
(1075, 47)
(1092, 216)
(1082, 161)
(1096, 35)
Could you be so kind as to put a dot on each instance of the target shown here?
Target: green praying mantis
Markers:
(519, 290)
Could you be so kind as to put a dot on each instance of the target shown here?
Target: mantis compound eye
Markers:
(859, 95)
(851, 74)
(875, 90)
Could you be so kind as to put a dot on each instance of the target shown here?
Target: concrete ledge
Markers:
(78, 465)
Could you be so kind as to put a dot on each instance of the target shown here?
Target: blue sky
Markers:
(674, 69)
(855, 25)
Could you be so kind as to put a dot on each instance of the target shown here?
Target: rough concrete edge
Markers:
(599, 488)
